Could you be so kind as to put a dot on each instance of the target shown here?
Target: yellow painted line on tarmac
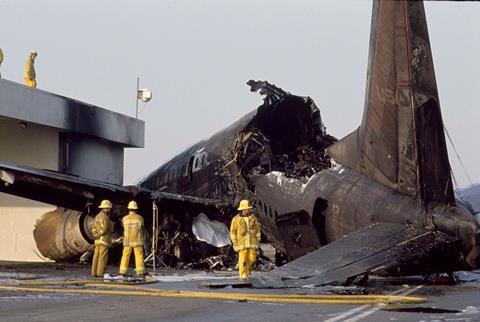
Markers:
(81, 282)
(130, 290)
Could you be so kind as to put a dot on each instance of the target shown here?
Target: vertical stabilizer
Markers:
(401, 141)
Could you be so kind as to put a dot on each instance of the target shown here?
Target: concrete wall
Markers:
(90, 158)
(35, 146)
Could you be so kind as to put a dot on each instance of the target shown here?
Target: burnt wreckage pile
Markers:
(285, 134)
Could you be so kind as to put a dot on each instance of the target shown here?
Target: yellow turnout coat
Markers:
(245, 232)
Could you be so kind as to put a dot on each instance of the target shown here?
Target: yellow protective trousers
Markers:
(246, 258)
(31, 83)
(99, 262)
(139, 265)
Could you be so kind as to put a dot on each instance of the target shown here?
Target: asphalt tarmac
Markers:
(460, 302)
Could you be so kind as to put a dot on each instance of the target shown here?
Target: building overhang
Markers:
(41, 107)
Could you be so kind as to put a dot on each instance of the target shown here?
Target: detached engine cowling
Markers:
(63, 234)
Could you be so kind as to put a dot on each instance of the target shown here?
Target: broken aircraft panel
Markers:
(384, 249)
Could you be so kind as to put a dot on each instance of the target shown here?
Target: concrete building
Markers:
(48, 131)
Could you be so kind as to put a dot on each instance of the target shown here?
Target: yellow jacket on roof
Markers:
(30, 69)
(132, 230)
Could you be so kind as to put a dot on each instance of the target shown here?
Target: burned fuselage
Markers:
(284, 134)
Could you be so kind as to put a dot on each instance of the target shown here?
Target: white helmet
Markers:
(132, 205)
(106, 204)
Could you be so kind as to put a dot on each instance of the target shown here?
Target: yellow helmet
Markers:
(132, 205)
(244, 205)
(106, 204)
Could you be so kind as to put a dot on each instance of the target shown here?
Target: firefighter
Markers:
(245, 235)
(30, 75)
(132, 240)
(102, 231)
(1, 60)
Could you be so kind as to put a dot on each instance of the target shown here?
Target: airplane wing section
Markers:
(77, 193)
(368, 250)
(57, 188)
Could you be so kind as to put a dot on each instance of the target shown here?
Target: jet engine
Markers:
(63, 234)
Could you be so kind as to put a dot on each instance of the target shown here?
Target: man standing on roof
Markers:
(245, 235)
(30, 75)
(102, 231)
(133, 238)
(1, 60)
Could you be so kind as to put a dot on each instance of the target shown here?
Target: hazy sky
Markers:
(197, 55)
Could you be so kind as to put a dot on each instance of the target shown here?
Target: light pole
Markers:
(136, 108)
(143, 94)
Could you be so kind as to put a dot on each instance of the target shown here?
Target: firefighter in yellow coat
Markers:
(30, 75)
(132, 240)
(245, 236)
(102, 231)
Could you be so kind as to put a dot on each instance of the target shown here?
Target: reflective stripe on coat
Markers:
(132, 230)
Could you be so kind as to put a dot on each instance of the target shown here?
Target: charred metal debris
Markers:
(285, 134)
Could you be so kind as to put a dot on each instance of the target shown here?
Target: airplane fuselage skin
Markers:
(332, 204)
(340, 201)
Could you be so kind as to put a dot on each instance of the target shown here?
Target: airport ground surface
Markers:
(459, 302)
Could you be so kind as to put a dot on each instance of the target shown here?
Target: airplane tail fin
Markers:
(401, 141)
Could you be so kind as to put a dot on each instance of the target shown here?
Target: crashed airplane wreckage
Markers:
(196, 190)
(387, 207)
(285, 134)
